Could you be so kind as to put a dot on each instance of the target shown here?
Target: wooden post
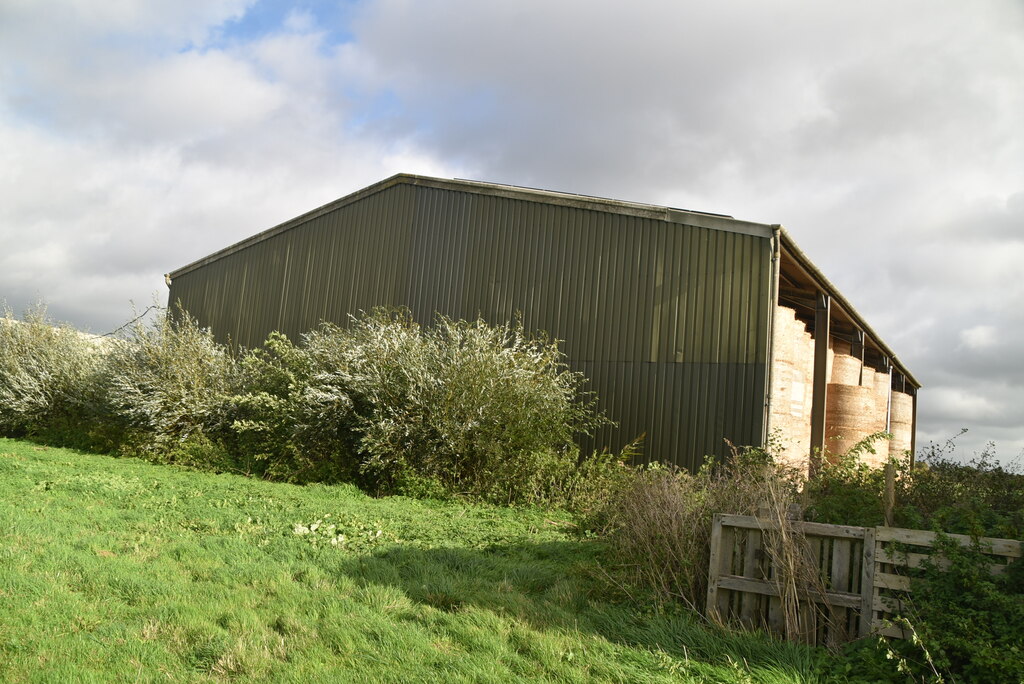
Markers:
(714, 569)
(750, 602)
(822, 318)
(889, 498)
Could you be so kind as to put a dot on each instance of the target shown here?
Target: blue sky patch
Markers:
(267, 17)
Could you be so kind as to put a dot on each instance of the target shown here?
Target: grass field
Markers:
(118, 570)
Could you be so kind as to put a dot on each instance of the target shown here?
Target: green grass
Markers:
(119, 570)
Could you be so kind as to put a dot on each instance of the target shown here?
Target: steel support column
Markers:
(822, 318)
(913, 426)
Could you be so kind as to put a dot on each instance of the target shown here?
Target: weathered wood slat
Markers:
(809, 529)
(810, 616)
(887, 554)
(776, 620)
(768, 588)
(839, 581)
(867, 583)
(999, 547)
(891, 604)
(886, 580)
(895, 631)
(750, 602)
(839, 572)
(727, 562)
(714, 567)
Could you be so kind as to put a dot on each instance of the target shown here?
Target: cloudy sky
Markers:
(886, 136)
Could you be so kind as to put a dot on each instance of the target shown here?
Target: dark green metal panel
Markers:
(668, 320)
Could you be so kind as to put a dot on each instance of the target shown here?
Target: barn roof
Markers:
(799, 263)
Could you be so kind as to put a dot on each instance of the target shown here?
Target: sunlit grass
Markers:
(118, 570)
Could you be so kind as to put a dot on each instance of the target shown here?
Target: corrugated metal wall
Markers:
(669, 321)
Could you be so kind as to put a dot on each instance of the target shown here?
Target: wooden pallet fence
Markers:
(851, 583)
(745, 586)
(897, 549)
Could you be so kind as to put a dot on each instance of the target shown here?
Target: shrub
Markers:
(464, 403)
(966, 625)
(288, 419)
(847, 491)
(971, 621)
(979, 497)
(167, 383)
(583, 484)
(47, 377)
(461, 408)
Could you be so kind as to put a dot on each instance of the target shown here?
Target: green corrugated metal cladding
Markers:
(667, 312)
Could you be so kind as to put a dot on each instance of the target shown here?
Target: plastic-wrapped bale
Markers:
(901, 423)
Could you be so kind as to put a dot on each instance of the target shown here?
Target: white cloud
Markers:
(961, 404)
(979, 337)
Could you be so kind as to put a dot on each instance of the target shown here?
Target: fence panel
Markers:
(842, 581)
(897, 549)
(745, 585)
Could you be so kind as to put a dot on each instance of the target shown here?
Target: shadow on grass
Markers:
(556, 586)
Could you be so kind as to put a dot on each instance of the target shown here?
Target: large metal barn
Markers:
(694, 328)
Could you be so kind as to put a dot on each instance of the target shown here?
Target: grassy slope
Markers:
(117, 570)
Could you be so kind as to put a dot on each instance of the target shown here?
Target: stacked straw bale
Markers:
(792, 383)
(901, 423)
(857, 402)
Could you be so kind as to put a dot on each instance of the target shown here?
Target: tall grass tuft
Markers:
(659, 527)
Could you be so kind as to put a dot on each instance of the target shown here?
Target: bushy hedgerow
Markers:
(845, 490)
(463, 402)
(288, 419)
(165, 386)
(967, 624)
(971, 621)
(47, 376)
(939, 492)
(458, 408)
(980, 497)
(461, 407)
